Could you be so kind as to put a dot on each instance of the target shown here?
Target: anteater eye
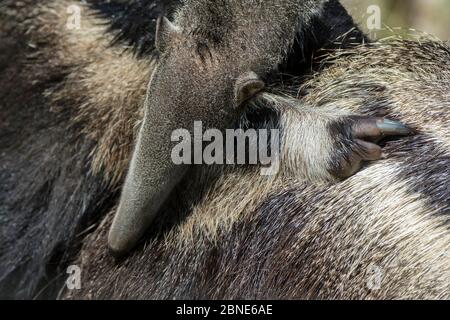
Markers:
(203, 51)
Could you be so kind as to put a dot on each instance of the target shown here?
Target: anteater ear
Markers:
(247, 85)
(165, 30)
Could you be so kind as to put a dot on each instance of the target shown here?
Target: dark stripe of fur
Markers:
(133, 23)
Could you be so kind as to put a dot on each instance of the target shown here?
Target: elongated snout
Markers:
(153, 174)
(151, 178)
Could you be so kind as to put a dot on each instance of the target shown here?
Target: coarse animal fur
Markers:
(59, 167)
(241, 235)
(68, 117)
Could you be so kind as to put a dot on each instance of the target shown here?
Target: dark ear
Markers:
(165, 30)
(247, 85)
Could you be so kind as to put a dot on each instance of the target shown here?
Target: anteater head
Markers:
(193, 81)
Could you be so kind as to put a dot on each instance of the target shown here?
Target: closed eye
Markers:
(203, 51)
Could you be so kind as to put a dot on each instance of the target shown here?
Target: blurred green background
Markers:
(429, 16)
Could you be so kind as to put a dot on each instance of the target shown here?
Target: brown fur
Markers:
(232, 233)
(247, 237)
